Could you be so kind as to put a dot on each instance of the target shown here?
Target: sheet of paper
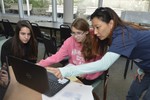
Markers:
(73, 91)
(73, 78)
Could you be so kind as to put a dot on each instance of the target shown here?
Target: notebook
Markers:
(36, 77)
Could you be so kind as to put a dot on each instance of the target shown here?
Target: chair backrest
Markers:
(1, 31)
(65, 32)
(37, 32)
(106, 77)
(8, 29)
(50, 45)
(51, 48)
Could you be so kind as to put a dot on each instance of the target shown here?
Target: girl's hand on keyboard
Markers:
(55, 71)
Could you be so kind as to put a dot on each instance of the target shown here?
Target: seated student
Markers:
(22, 45)
(79, 48)
(82, 47)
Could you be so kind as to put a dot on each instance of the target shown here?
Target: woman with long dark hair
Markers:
(123, 38)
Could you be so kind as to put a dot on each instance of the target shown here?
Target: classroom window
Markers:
(85, 7)
(128, 5)
(11, 6)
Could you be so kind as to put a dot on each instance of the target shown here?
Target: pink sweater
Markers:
(71, 49)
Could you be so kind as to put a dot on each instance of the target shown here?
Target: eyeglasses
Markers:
(77, 33)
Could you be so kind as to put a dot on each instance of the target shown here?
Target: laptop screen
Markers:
(29, 74)
(36, 77)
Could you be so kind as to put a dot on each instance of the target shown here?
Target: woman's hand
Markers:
(55, 71)
(140, 74)
(140, 77)
(41, 65)
(4, 78)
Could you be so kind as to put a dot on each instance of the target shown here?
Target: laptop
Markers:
(36, 77)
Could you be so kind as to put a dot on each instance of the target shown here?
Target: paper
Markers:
(73, 91)
(73, 78)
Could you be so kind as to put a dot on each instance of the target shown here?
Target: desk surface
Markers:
(45, 24)
(51, 25)
(17, 91)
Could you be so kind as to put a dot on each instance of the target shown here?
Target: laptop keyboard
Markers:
(55, 86)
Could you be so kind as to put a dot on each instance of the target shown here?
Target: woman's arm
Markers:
(101, 65)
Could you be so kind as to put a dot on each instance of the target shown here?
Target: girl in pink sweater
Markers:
(80, 48)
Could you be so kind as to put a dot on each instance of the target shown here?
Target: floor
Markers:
(117, 85)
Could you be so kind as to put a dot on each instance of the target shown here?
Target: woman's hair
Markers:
(89, 48)
(18, 49)
(106, 14)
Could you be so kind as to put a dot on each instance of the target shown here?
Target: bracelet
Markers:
(140, 71)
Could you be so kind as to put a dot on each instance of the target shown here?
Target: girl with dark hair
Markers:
(123, 38)
(22, 45)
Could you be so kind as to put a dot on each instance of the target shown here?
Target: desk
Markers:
(17, 91)
(53, 27)
(43, 24)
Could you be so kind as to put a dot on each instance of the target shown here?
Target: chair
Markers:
(103, 78)
(1, 31)
(106, 75)
(37, 32)
(51, 48)
(127, 66)
(64, 33)
(8, 29)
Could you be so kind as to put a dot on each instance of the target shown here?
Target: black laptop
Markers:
(36, 77)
